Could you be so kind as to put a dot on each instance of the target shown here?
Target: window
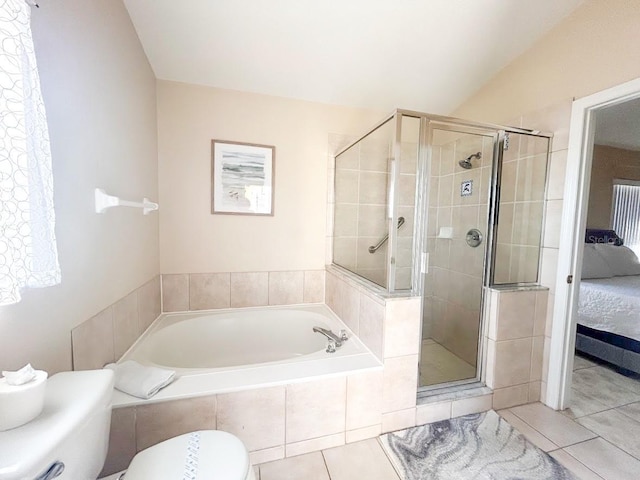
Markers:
(625, 213)
(28, 254)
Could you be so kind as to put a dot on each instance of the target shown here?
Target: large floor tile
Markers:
(531, 434)
(622, 381)
(606, 460)
(582, 404)
(364, 460)
(574, 466)
(308, 467)
(558, 428)
(605, 386)
(617, 428)
(632, 410)
(580, 362)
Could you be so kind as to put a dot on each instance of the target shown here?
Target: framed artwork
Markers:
(242, 178)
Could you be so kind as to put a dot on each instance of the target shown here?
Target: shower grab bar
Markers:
(374, 248)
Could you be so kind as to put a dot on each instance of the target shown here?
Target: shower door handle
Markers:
(474, 237)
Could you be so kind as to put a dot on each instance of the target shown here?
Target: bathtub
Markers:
(230, 350)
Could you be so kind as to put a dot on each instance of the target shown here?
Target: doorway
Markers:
(586, 115)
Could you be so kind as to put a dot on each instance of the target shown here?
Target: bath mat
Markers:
(481, 446)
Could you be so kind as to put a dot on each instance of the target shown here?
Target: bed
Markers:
(609, 303)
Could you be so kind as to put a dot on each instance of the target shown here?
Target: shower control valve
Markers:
(343, 335)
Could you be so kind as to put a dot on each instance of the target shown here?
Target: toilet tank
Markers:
(72, 430)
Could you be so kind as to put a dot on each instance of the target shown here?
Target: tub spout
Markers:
(332, 337)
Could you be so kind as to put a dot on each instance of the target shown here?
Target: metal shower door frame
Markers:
(497, 135)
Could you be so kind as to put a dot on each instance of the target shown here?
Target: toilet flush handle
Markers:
(55, 470)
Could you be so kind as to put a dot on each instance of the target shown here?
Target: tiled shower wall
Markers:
(521, 209)
(453, 283)
(554, 119)
(357, 209)
(106, 336)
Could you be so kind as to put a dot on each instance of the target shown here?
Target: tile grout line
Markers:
(543, 435)
(532, 427)
(326, 467)
(580, 462)
(619, 448)
(608, 409)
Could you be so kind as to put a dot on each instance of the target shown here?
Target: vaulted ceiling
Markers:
(428, 55)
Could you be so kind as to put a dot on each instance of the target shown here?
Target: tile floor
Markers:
(439, 365)
(598, 438)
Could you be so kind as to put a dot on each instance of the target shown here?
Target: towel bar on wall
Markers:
(104, 201)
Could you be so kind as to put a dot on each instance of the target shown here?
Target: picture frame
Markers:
(242, 178)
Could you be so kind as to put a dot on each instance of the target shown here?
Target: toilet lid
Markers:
(202, 455)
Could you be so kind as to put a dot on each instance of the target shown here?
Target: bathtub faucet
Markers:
(335, 341)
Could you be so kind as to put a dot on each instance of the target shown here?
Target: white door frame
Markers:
(574, 219)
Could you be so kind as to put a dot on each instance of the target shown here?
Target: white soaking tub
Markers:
(221, 351)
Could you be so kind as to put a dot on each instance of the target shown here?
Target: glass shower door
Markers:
(457, 218)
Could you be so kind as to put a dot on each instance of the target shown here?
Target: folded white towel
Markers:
(139, 380)
(20, 377)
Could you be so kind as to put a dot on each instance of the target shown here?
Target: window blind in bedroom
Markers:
(625, 213)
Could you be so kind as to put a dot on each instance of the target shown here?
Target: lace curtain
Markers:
(28, 254)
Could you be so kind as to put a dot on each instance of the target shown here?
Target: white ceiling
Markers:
(427, 55)
(619, 125)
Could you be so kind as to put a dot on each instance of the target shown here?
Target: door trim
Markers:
(574, 219)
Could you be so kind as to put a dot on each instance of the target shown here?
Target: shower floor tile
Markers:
(439, 365)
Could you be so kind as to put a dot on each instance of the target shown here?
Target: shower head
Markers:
(466, 163)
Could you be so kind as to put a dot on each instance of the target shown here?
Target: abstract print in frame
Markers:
(242, 178)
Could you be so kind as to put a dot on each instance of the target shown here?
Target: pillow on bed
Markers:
(621, 260)
(593, 264)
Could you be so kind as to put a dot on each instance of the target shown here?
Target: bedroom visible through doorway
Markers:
(601, 296)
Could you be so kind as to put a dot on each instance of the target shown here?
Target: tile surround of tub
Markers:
(258, 416)
(272, 422)
(157, 422)
(364, 400)
(315, 409)
(209, 291)
(317, 414)
(106, 336)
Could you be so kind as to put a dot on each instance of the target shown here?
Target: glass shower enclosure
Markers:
(441, 208)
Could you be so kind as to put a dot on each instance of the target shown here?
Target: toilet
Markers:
(69, 441)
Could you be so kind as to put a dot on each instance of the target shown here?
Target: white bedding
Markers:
(611, 305)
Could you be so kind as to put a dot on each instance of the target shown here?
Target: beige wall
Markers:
(608, 163)
(100, 97)
(195, 241)
(592, 49)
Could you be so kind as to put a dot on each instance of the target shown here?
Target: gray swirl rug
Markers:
(480, 447)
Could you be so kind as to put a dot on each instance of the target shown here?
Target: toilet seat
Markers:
(201, 455)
